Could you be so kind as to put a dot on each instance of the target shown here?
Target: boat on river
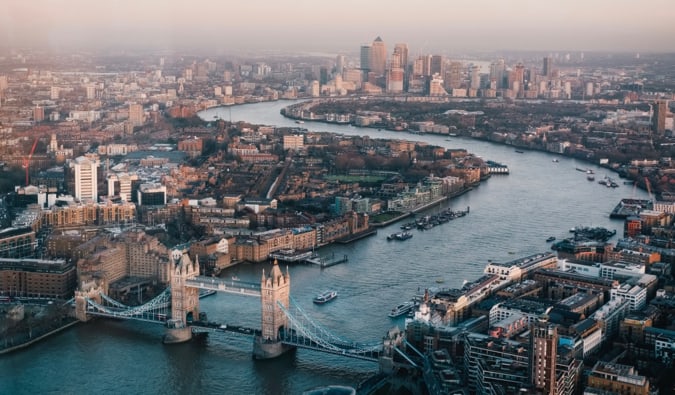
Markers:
(550, 239)
(401, 309)
(325, 297)
(400, 236)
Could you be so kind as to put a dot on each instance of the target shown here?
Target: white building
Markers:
(86, 178)
(634, 295)
(610, 316)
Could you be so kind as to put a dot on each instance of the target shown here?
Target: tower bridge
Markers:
(284, 324)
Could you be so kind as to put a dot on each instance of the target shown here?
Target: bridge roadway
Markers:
(293, 339)
(216, 327)
(223, 285)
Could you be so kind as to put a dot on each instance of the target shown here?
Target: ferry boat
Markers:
(325, 297)
(401, 309)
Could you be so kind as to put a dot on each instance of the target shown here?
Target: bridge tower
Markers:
(274, 290)
(87, 290)
(184, 300)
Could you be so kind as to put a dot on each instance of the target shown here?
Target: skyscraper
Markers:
(547, 69)
(402, 50)
(85, 174)
(339, 64)
(659, 116)
(365, 58)
(453, 79)
(543, 355)
(136, 114)
(437, 65)
(378, 58)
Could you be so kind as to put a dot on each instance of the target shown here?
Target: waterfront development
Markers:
(510, 217)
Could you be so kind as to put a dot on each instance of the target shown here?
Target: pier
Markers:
(328, 261)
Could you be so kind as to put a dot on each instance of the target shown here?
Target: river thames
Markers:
(511, 217)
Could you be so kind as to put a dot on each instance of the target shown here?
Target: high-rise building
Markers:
(85, 173)
(659, 116)
(339, 64)
(437, 65)
(402, 50)
(365, 58)
(136, 114)
(474, 80)
(378, 58)
(497, 73)
(38, 114)
(91, 92)
(547, 69)
(543, 355)
(453, 79)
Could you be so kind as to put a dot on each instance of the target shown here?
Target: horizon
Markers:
(284, 26)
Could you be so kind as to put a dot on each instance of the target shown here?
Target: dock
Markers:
(292, 256)
(327, 261)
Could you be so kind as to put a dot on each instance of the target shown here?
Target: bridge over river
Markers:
(284, 324)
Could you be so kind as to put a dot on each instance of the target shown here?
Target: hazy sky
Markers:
(342, 25)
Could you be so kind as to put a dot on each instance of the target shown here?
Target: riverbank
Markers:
(39, 338)
(522, 147)
(421, 208)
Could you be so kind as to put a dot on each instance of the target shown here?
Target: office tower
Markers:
(91, 92)
(136, 114)
(395, 74)
(547, 70)
(402, 50)
(38, 114)
(339, 64)
(453, 79)
(543, 352)
(3, 83)
(497, 73)
(365, 58)
(517, 80)
(323, 75)
(437, 65)
(86, 178)
(659, 116)
(474, 81)
(378, 57)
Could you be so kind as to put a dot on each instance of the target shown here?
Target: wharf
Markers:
(292, 256)
(328, 261)
(630, 207)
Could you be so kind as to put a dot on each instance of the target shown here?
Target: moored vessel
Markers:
(401, 309)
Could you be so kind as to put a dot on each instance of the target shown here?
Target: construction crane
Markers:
(26, 160)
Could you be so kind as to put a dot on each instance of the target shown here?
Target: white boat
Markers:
(401, 309)
(325, 297)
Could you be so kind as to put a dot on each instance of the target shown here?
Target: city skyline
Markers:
(434, 26)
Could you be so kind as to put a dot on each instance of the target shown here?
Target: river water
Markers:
(511, 216)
